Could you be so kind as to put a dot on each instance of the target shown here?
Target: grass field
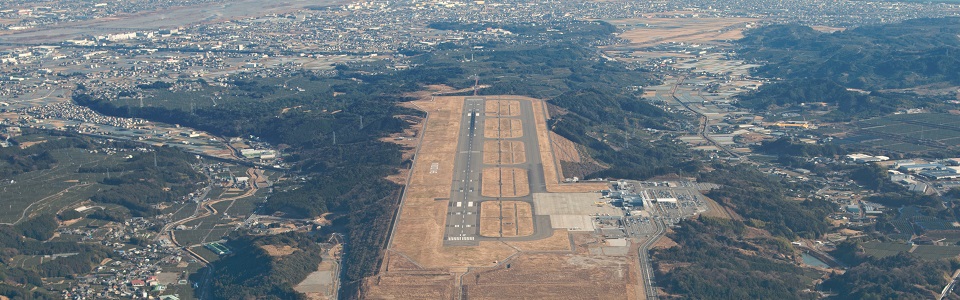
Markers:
(502, 128)
(503, 152)
(506, 219)
(879, 250)
(504, 182)
(504, 108)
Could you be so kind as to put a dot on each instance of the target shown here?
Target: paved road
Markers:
(645, 265)
(949, 286)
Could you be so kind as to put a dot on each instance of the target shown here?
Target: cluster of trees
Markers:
(817, 67)
(712, 262)
(900, 55)
(902, 276)
(16, 160)
(69, 266)
(17, 282)
(39, 228)
(146, 179)
(760, 198)
(156, 85)
(849, 104)
(21, 290)
(345, 163)
(250, 272)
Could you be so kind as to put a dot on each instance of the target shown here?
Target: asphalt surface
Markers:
(463, 219)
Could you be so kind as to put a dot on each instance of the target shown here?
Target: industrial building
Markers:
(864, 158)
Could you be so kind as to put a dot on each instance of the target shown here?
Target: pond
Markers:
(813, 261)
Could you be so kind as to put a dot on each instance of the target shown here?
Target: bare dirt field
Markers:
(494, 128)
(504, 182)
(278, 251)
(715, 210)
(490, 218)
(404, 279)
(553, 276)
(564, 149)
(504, 108)
(664, 242)
(503, 152)
(551, 175)
(558, 242)
(520, 214)
(318, 285)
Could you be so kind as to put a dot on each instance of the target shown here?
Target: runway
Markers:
(463, 212)
(463, 219)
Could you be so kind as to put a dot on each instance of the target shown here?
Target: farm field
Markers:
(47, 191)
(880, 250)
(936, 252)
(909, 133)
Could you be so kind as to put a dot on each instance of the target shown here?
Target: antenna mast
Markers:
(476, 84)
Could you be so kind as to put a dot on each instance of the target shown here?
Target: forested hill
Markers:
(901, 55)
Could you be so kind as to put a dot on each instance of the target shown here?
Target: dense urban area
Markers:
(336, 149)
